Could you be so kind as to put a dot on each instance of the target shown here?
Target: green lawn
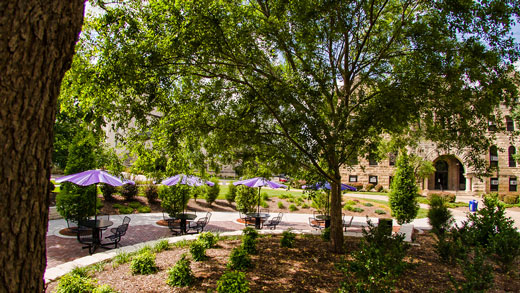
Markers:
(270, 192)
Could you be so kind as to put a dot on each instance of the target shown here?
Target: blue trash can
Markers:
(473, 205)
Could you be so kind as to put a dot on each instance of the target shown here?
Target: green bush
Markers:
(369, 186)
(198, 250)
(351, 202)
(377, 265)
(478, 274)
(76, 202)
(108, 191)
(378, 188)
(232, 193)
(233, 282)
(367, 204)
(249, 231)
(151, 192)
(212, 192)
(264, 204)
(293, 208)
(126, 210)
(319, 200)
(403, 201)
(357, 210)
(198, 191)
(380, 212)
(448, 197)
(128, 191)
(511, 199)
(348, 207)
(143, 263)
(305, 206)
(265, 196)
(75, 283)
(287, 240)
(246, 199)
(357, 185)
(439, 216)
(239, 259)
(121, 258)
(161, 245)
(174, 199)
(283, 196)
(208, 239)
(180, 275)
(280, 205)
(104, 289)
(249, 244)
(325, 234)
(144, 209)
(135, 205)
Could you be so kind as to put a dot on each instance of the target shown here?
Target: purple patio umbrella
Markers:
(321, 185)
(259, 182)
(90, 177)
(189, 180)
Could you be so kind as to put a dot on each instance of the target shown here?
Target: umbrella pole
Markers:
(258, 207)
(95, 204)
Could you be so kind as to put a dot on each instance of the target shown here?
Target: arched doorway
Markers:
(449, 174)
(441, 175)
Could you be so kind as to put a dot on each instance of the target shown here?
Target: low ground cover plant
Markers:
(239, 259)
(198, 250)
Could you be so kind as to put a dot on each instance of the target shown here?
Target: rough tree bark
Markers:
(336, 221)
(37, 39)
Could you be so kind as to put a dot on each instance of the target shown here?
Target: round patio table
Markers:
(97, 226)
(325, 218)
(258, 218)
(184, 217)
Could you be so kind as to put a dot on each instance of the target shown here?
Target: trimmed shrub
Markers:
(403, 201)
(151, 192)
(357, 210)
(208, 239)
(232, 193)
(180, 275)
(143, 263)
(248, 231)
(305, 206)
(198, 191)
(357, 185)
(125, 210)
(249, 244)
(161, 245)
(369, 186)
(104, 289)
(76, 202)
(144, 209)
(439, 216)
(501, 196)
(246, 199)
(264, 204)
(212, 192)
(128, 191)
(287, 239)
(239, 259)
(511, 199)
(348, 207)
(280, 205)
(377, 265)
(135, 205)
(367, 204)
(233, 282)
(198, 250)
(293, 208)
(108, 191)
(174, 199)
(380, 212)
(448, 197)
(379, 188)
(265, 196)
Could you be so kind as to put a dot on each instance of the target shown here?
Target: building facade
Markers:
(452, 174)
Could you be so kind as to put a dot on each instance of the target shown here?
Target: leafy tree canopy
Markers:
(305, 84)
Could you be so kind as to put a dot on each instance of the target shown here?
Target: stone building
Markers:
(452, 173)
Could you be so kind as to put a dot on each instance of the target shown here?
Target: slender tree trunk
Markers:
(336, 221)
(37, 39)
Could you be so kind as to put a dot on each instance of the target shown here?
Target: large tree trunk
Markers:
(37, 41)
(336, 221)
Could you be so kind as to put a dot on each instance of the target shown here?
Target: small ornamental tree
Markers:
(403, 200)
(212, 192)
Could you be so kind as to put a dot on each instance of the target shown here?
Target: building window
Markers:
(512, 183)
(510, 124)
(512, 152)
(493, 184)
(372, 180)
(352, 178)
(493, 156)
(391, 159)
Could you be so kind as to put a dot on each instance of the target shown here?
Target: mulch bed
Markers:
(308, 267)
